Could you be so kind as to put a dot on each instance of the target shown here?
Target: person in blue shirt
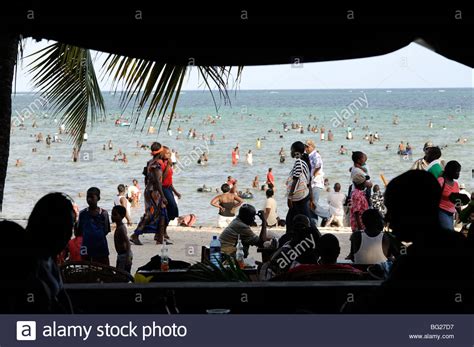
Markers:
(95, 225)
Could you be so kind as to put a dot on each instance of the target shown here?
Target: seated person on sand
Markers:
(241, 226)
(372, 246)
(270, 209)
(336, 200)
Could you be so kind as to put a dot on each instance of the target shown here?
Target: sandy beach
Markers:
(187, 242)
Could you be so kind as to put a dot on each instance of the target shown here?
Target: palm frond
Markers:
(19, 58)
(156, 86)
(66, 78)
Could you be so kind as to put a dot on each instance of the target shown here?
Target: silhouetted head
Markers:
(225, 188)
(328, 249)
(337, 187)
(118, 213)
(372, 220)
(13, 239)
(155, 146)
(412, 201)
(121, 188)
(297, 149)
(432, 154)
(50, 224)
(300, 228)
(376, 188)
(269, 193)
(93, 196)
(247, 214)
(300, 220)
(452, 170)
(359, 157)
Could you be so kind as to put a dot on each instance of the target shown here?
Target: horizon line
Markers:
(280, 89)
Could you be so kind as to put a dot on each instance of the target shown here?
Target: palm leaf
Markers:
(157, 85)
(66, 78)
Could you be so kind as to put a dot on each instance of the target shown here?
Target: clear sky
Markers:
(410, 67)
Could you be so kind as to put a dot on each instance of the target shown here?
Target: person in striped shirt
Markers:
(299, 189)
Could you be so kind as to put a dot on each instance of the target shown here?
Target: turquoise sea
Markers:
(251, 115)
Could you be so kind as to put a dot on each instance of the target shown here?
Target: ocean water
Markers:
(251, 115)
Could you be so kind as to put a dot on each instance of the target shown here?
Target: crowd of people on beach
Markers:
(412, 222)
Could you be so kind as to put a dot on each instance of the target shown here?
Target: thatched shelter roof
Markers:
(181, 33)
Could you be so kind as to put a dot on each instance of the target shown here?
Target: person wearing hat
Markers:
(422, 164)
(240, 226)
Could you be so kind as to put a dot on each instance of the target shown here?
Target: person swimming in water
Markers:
(204, 189)
(255, 183)
(246, 195)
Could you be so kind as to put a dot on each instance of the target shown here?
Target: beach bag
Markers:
(187, 220)
(301, 189)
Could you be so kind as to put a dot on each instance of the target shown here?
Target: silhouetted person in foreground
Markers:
(15, 266)
(31, 281)
(435, 273)
(49, 229)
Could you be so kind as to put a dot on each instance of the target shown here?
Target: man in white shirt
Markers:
(317, 180)
(270, 209)
(336, 201)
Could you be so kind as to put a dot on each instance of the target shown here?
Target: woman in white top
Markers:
(122, 200)
(371, 246)
(250, 158)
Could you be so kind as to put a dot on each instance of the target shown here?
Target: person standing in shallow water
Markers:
(226, 202)
(250, 157)
(255, 183)
(155, 200)
(75, 154)
(235, 159)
